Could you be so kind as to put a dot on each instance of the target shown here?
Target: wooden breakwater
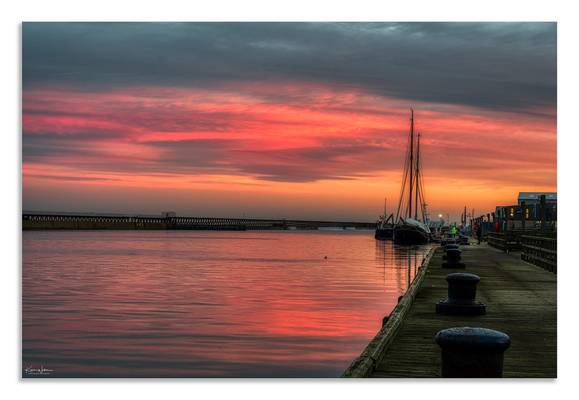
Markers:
(38, 221)
(520, 299)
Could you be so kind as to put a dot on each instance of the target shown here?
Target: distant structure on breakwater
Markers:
(170, 221)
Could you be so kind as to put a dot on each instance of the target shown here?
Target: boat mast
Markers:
(411, 161)
(417, 178)
(384, 207)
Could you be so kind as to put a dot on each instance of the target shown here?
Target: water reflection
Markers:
(402, 261)
(168, 304)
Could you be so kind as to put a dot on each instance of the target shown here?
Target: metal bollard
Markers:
(453, 253)
(472, 352)
(449, 247)
(461, 296)
(453, 259)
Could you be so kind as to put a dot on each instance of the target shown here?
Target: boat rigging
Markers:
(411, 227)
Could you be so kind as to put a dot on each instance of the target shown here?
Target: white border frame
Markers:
(14, 13)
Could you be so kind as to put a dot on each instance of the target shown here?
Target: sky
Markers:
(284, 120)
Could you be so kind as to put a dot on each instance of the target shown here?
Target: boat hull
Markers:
(384, 233)
(410, 235)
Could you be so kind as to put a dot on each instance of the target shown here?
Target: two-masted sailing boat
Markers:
(410, 227)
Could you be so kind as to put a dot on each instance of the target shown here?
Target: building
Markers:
(533, 198)
(531, 214)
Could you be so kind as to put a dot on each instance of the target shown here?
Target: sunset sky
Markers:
(295, 120)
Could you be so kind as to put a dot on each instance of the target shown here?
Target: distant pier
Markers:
(521, 301)
(53, 221)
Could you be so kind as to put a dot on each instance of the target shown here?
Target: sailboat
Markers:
(384, 226)
(411, 226)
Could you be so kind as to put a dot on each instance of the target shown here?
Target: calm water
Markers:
(223, 304)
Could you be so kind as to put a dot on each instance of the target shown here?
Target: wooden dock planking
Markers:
(521, 301)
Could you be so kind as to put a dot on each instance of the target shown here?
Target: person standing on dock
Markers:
(453, 231)
(478, 232)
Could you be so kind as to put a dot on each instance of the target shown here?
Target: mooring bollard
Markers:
(453, 259)
(449, 247)
(472, 352)
(461, 296)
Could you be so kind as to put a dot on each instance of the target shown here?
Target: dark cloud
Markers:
(303, 164)
(49, 145)
(308, 164)
(70, 178)
(509, 66)
(345, 160)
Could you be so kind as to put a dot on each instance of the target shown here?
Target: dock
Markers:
(521, 301)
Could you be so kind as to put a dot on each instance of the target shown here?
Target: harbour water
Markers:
(205, 303)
